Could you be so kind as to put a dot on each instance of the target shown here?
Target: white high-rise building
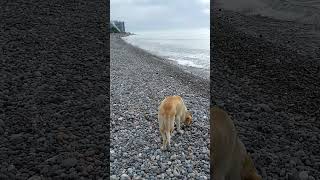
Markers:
(119, 25)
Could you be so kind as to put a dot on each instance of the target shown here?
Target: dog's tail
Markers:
(165, 122)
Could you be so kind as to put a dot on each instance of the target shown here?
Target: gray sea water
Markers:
(303, 11)
(188, 48)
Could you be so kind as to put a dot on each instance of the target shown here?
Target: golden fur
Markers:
(172, 109)
(230, 158)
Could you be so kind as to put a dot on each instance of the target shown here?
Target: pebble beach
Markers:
(265, 73)
(54, 90)
(139, 82)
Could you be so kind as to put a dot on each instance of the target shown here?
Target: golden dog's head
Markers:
(188, 119)
(249, 172)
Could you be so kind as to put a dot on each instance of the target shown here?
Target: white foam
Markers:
(189, 63)
(186, 51)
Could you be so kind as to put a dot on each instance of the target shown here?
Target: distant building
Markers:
(120, 25)
(117, 26)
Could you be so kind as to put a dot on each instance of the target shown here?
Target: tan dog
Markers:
(172, 109)
(230, 158)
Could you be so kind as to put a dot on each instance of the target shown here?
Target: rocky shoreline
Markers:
(139, 81)
(54, 97)
(271, 89)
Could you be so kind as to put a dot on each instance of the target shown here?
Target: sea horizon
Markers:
(189, 47)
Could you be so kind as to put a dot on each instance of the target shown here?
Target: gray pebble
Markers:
(35, 177)
(1, 123)
(124, 177)
(130, 171)
(70, 162)
(311, 178)
(113, 177)
(303, 175)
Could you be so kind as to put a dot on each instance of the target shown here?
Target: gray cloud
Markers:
(161, 14)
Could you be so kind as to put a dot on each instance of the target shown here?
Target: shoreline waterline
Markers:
(195, 71)
(189, 51)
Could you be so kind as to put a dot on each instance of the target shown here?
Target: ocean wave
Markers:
(186, 63)
(191, 52)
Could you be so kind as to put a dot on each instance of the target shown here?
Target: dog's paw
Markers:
(163, 148)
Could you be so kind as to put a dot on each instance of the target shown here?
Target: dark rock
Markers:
(3, 176)
(2, 123)
(52, 159)
(264, 107)
(11, 167)
(89, 168)
(59, 172)
(45, 170)
(35, 177)
(1, 131)
(303, 175)
(311, 178)
(293, 177)
(70, 162)
(16, 138)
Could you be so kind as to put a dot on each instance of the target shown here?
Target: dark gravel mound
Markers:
(272, 91)
(54, 90)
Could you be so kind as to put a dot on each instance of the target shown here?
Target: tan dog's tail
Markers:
(167, 122)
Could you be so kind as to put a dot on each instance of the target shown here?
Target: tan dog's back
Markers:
(167, 113)
(171, 108)
(230, 159)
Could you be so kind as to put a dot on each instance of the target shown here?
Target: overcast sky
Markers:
(146, 15)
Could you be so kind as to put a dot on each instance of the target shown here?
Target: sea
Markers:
(188, 48)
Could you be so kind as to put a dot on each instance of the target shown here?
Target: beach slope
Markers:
(54, 90)
(139, 82)
(272, 88)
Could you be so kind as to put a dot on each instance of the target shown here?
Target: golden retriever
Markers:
(172, 109)
(230, 158)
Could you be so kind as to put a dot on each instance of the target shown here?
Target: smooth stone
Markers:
(70, 162)
(124, 177)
